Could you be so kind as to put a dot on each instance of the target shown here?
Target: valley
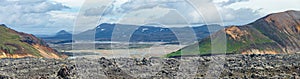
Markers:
(119, 49)
(149, 39)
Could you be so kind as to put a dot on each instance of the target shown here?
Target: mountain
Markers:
(104, 32)
(15, 44)
(273, 34)
(61, 35)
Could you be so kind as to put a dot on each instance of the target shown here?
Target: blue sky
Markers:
(51, 16)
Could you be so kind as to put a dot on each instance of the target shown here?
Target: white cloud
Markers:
(71, 3)
(28, 14)
(240, 16)
(140, 17)
(138, 11)
(268, 6)
(33, 15)
(229, 2)
(87, 16)
(50, 14)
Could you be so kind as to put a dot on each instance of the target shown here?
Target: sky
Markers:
(51, 16)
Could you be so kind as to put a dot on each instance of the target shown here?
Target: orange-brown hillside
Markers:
(15, 44)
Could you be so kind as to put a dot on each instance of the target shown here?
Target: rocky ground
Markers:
(220, 66)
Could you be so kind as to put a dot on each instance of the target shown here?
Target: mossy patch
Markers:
(255, 39)
(9, 37)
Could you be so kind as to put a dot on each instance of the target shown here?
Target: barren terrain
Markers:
(218, 66)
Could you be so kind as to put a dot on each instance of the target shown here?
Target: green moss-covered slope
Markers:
(15, 44)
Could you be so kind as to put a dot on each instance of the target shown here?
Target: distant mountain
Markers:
(61, 35)
(104, 32)
(15, 44)
(273, 34)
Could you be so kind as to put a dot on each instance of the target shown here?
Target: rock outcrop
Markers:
(235, 32)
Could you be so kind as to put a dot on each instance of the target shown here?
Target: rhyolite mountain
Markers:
(15, 44)
(275, 33)
(104, 32)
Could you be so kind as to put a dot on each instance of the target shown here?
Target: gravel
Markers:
(218, 66)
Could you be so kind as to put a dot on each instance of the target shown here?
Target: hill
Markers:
(15, 44)
(273, 34)
(63, 34)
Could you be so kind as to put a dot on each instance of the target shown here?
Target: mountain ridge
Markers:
(273, 34)
(104, 32)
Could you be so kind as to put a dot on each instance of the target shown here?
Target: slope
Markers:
(273, 34)
(15, 44)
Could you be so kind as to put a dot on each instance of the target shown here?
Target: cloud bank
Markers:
(50, 16)
(171, 12)
(28, 14)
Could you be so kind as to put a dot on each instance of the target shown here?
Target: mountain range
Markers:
(275, 33)
(105, 32)
(15, 44)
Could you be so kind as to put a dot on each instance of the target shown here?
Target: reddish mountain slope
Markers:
(272, 34)
(15, 44)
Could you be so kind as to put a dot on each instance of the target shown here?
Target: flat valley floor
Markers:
(153, 51)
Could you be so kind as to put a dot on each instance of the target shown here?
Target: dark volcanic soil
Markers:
(220, 66)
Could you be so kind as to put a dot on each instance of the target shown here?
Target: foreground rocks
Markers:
(221, 66)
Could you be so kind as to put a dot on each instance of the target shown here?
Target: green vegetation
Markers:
(252, 40)
(10, 43)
